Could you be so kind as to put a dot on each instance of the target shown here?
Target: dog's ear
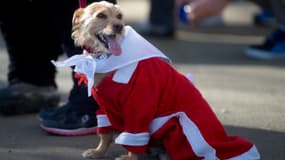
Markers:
(76, 21)
(117, 6)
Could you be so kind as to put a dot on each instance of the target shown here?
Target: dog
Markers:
(98, 29)
(102, 37)
(147, 101)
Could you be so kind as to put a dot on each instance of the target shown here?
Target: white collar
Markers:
(124, 74)
(134, 49)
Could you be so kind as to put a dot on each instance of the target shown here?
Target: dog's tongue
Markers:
(114, 47)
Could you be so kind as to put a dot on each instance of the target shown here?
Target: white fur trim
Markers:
(123, 75)
(190, 77)
(133, 139)
(103, 121)
(251, 154)
(199, 145)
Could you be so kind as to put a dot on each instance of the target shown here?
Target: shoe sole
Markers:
(73, 132)
(260, 54)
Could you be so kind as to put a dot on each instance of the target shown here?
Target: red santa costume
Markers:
(147, 100)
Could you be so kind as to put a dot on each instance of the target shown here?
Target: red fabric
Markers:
(169, 130)
(82, 3)
(87, 49)
(156, 89)
(82, 79)
(104, 130)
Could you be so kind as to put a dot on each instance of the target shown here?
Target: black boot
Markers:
(76, 117)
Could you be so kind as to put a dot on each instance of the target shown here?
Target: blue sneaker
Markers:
(272, 48)
(264, 18)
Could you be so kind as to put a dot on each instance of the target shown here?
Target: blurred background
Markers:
(247, 94)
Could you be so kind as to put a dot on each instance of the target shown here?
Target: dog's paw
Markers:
(92, 153)
(126, 157)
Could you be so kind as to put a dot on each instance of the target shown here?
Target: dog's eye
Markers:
(119, 16)
(101, 15)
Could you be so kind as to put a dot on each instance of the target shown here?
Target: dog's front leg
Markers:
(129, 156)
(100, 150)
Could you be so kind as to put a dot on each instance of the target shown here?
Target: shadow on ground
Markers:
(26, 140)
(264, 141)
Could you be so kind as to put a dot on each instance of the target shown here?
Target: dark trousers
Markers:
(35, 33)
(162, 13)
(277, 7)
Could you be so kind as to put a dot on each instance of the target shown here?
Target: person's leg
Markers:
(264, 17)
(162, 14)
(161, 21)
(77, 116)
(31, 44)
(274, 44)
(278, 9)
(263, 4)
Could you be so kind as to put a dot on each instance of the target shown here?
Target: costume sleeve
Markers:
(139, 109)
(103, 124)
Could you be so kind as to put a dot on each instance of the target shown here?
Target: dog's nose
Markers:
(118, 28)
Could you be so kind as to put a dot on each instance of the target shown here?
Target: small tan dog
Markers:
(142, 96)
(98, 29)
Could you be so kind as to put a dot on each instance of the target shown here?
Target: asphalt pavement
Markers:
(247, 95)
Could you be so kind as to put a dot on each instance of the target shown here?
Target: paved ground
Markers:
(247, 95)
